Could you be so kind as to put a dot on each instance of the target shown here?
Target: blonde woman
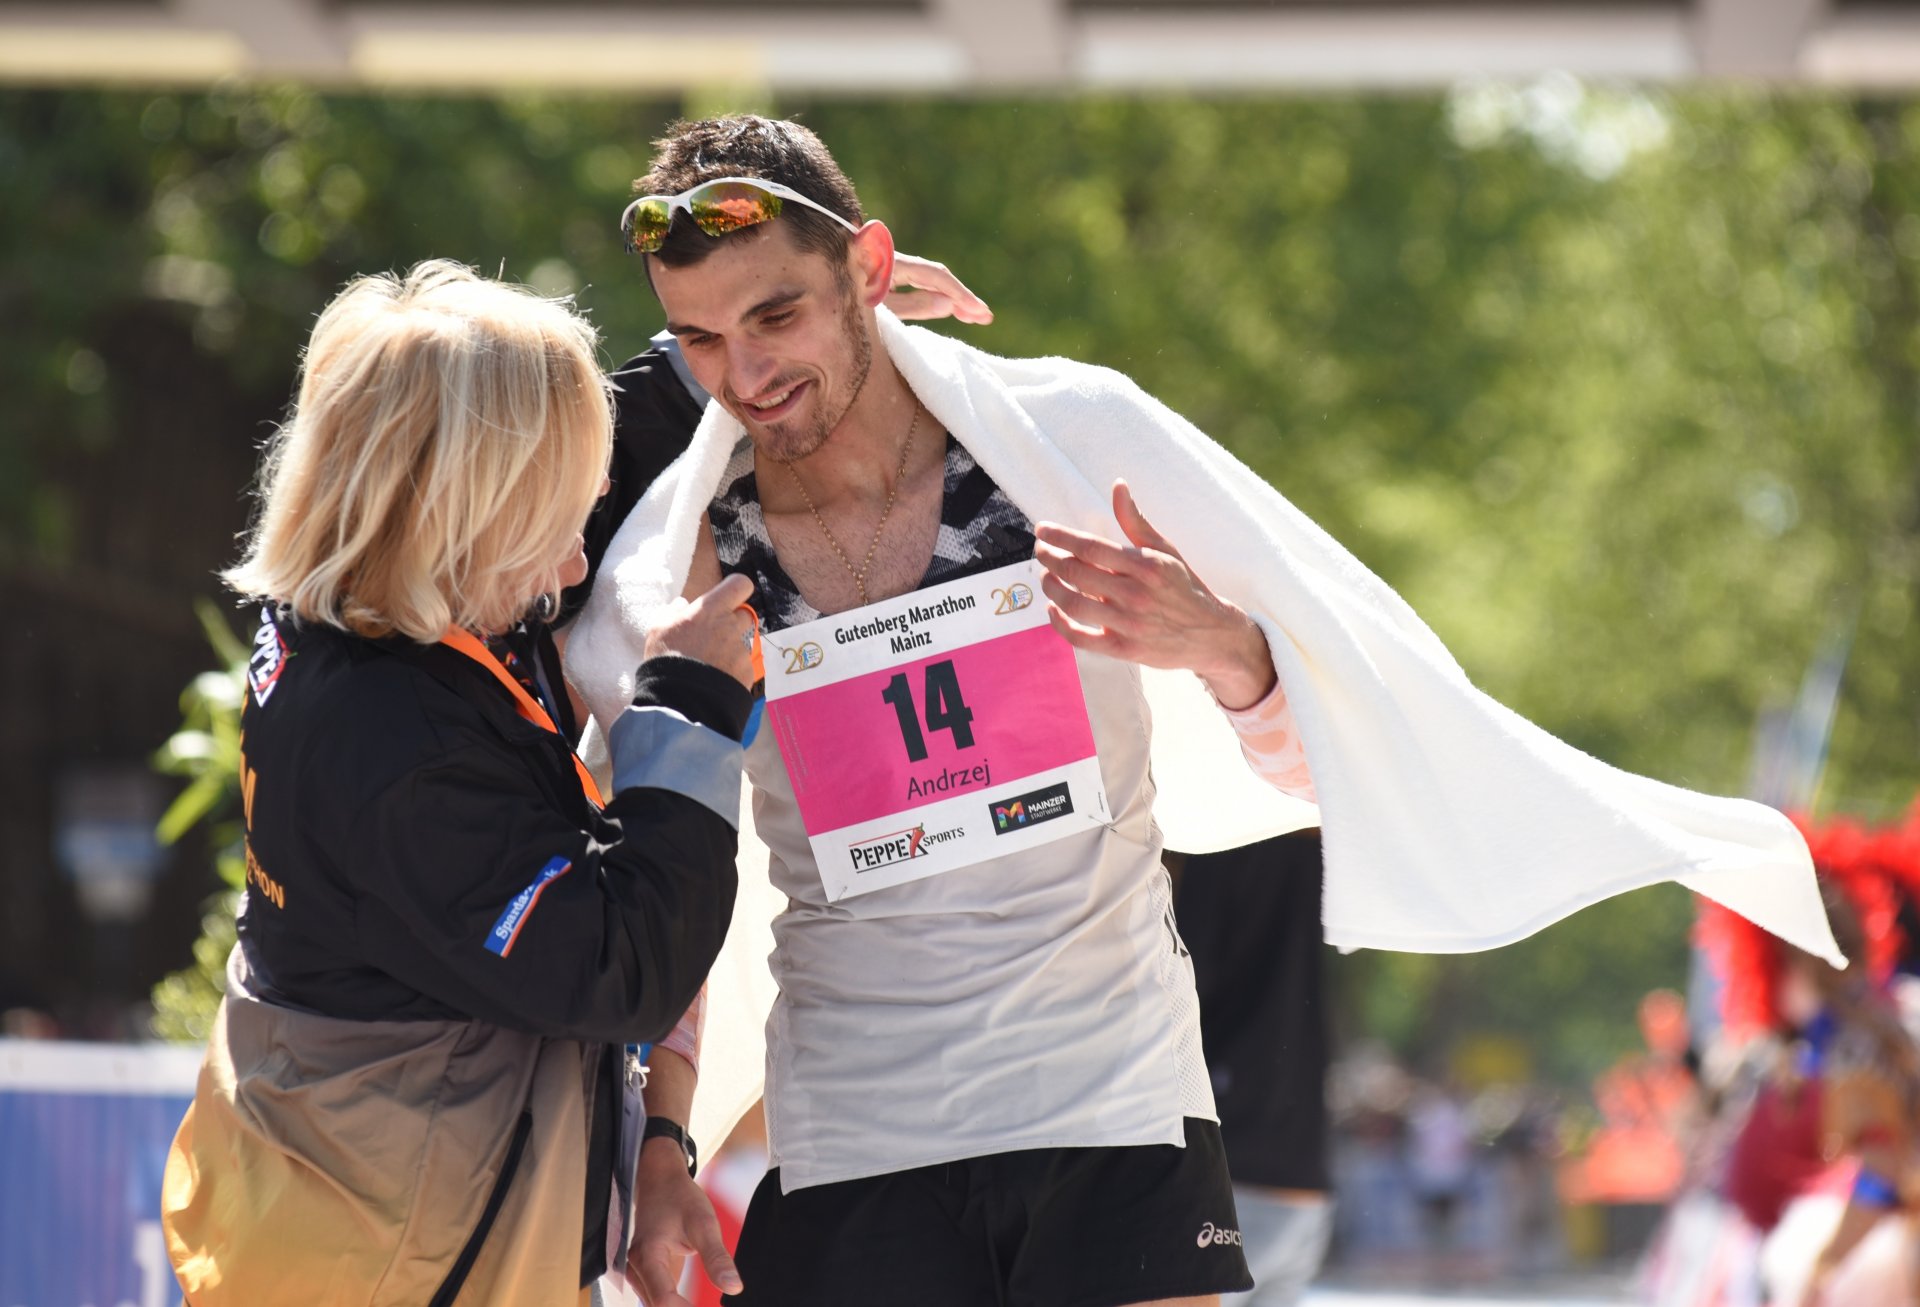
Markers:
(413, 1090)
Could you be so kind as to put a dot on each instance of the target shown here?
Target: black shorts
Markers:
(1042, 1227)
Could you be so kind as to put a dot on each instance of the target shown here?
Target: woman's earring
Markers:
(543, 607)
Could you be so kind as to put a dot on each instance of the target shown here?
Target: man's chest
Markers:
(830, 556)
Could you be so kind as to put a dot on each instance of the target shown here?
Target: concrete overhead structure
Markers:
(956, 46)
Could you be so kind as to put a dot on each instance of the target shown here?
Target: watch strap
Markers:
(658, 1126)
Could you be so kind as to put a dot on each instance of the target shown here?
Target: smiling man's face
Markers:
(777, 334)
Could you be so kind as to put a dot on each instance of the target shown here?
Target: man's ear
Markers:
(870, 260)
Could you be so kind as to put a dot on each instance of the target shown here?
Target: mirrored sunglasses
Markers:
(726, 204)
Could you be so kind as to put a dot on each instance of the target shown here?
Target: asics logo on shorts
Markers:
(1211, 1234)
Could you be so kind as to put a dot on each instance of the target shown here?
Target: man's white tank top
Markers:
(1039, 1000)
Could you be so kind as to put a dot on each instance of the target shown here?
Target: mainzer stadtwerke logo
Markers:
(1030, 809)
(899, 846)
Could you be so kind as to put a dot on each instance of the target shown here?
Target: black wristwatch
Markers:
(659, 1125)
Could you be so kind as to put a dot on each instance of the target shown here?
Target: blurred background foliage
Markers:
(206, 753)
(1618, 388)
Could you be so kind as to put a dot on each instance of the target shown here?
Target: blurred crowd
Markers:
(1442, 1186)
(1800, 1169)
(1761, 1150)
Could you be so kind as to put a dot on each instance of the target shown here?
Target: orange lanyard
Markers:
(759, 658)
(455, 638)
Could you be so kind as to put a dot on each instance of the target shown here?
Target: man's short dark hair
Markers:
(746, 145)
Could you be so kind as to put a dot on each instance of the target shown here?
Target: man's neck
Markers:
(860, 459)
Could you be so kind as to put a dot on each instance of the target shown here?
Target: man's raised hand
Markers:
(1141, 602)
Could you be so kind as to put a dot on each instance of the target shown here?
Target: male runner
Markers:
(986, 1085)
(983, 1074)
(657, 405)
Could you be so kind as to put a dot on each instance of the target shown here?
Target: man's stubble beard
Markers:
(783, 448)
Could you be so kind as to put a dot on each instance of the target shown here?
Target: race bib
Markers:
(933, 731)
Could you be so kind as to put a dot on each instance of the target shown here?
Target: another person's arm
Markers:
(1863, 1116)
(924, 290)
(673, 1217)
(480, 889)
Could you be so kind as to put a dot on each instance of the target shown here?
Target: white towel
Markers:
(1451, 823)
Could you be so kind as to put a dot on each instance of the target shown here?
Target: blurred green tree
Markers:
(205, 752)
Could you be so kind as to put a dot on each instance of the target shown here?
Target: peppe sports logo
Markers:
(900, 846)
(1217, 1236)
(506, 930)
(1030, 809)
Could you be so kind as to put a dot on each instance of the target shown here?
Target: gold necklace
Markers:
(860, 576)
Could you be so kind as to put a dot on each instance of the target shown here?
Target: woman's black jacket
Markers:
(418, 850)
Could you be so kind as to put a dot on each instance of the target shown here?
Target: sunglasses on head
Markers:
(717, 207)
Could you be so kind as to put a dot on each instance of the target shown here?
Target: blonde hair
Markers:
(450, 436)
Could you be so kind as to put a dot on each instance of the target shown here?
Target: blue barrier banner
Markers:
(84, 1131)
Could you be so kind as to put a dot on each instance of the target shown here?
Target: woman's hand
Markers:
(923, 289)
(1141, 602)
(673, 1219)
(716, 628)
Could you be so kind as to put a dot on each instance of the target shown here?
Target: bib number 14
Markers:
(946, 710)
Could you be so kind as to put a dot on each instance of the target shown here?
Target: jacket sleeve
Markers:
(478, 888)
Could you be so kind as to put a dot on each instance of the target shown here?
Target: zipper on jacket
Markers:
(463, 1264)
